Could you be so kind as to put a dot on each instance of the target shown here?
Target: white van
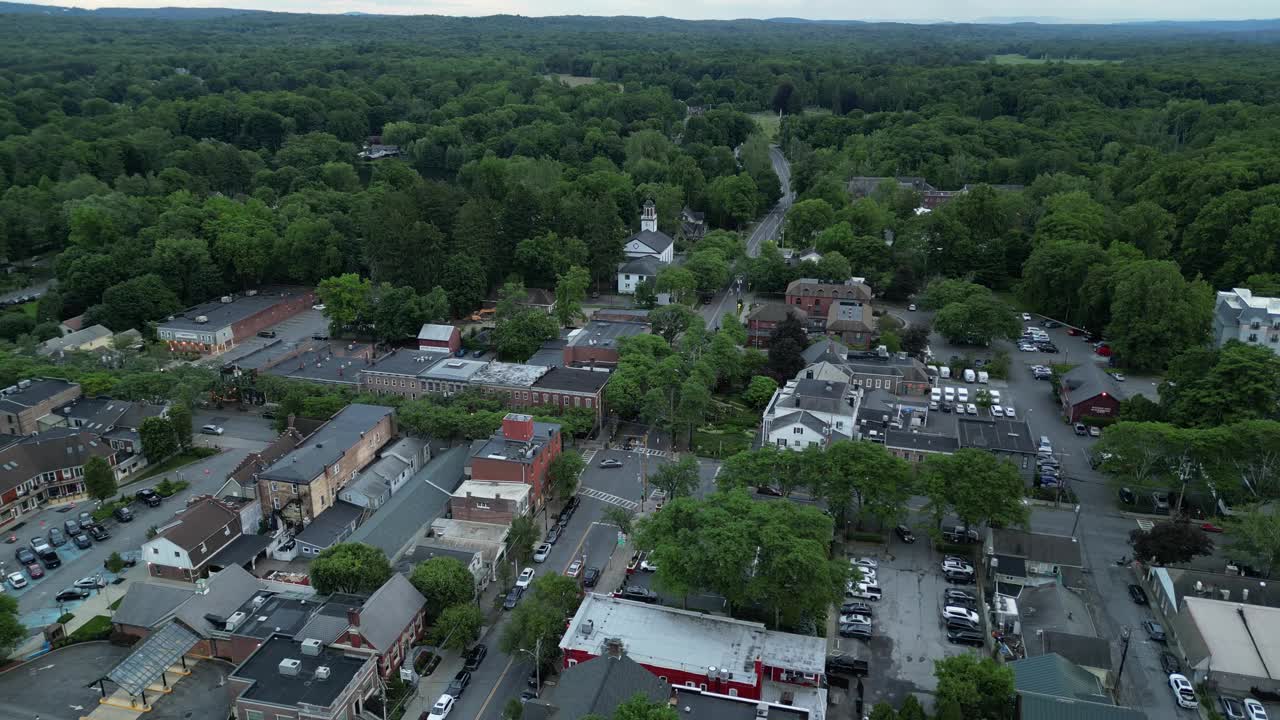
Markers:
(863, 591)
(950, 392)
(946, 372)
(1045, 445)
(995, 396)
(984, 377)
(962, 394)
(970, 375)
(935, 394)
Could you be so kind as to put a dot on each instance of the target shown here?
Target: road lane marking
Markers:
(489, 698)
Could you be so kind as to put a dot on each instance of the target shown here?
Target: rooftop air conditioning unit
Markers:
(234, 621)
(202, 319)
(311, 647)
(322, 672)
(290, 667)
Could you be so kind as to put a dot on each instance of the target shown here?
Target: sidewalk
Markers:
(96, 604)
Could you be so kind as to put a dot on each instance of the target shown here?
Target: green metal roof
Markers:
(1046, 707)
(1056, 676)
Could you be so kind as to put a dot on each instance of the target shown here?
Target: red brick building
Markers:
(219, 325)
(445, 337)
(597, 342)
(45, 468)
(569, 387)
(764, 320)
(816, 297)
(497, 503)
(520, 452)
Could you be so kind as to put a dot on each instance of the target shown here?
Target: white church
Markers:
(648, 251)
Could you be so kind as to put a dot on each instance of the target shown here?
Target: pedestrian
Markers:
(1070, 615)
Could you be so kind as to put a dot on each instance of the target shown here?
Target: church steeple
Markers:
(649, 217)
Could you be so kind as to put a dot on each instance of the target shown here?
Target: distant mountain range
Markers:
(169, 13)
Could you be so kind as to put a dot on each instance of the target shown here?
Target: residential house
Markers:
(852, 322)
(1093, 654)
(764, 319)
(375, 484)
(1240, 315)
(807, 412)
(693, 225)
(571, 387)
(487, 539)
(596, 688)
(816, 298)
(1050, 687)
(638, 270)
(94, 337)
(219, 325)
(706, 652)
(1089, 391)
(388, 624)
(1020, 559)
(182, 548)
(287, 679)
(596, 343)
(71, 324)
(307, 480)
(520, 452)
(333, 525)
(444, 337)
(46, 469)
(243, 480)
(23, 405)
(490, 502)
(118, 422)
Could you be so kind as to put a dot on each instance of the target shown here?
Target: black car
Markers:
(904, 534)
(1051, 324)
(123, 514)
(855, 630)
(956, 623)
(610, 463)
(1170, 663)
(635, 592)
(1138, 594)
(767, 490)
(528, 695)
(956, 577)
(266, 333)
(590, 577)
(846, 664)
(71, 594)
(459, 684)
(71, 527)
(149, 496)
(1127, 497)
(1154, 630)
(97, 532)
(57, 538)
(81, 541)
(854, 607)
(475, 657)
(958, 595)
(513, 597)
(966, 637)
(946, 407)
(553, 534)
(24, 556)
(1047, 348)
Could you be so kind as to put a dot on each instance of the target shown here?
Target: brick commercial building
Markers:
(43, 468)
(511, 383)
(445, 337)
(22, 405)
(816, 297)
(307, 480)
(400, 372)
(219, 325)
(520, 452)
(285, 679)
(489, 502)
(597, 342)
(707, 652)
(765, 319)
(182, 548)
(567, 387)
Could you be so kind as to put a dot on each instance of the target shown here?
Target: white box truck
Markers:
(984, 377)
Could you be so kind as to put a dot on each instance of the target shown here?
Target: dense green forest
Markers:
(162, 161)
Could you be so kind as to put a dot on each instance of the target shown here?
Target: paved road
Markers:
(34, 290)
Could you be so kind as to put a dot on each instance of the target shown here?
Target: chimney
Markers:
(762, 710)
(613, 647)
(292, 418)
(517, 427)
(353, 617)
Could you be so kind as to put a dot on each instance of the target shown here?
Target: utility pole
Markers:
(1124, 654)
(644, 469)
(1075, 524)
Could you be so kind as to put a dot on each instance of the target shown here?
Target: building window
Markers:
(572, 662)
(702, 687)
(662, 678)
(689, 683)
(252, 715)
(482, 506)
(155, 551)
(177, 553)
(797, 430)
(1253, 337)
(733, 692)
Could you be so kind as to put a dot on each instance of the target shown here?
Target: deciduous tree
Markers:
(563, 474)
(457, 626)
(975, 486)
(1170, 542)
(350, 568)
(99, 481)
(980, 687)
(158, 438)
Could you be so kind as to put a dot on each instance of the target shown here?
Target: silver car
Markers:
(541, 553)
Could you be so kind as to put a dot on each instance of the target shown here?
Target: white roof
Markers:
(1241, 639)
(690, 641)
(435, 332)
(490, 489)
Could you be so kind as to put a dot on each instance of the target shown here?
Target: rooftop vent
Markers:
(234, 621)
(202, 319)
(322, 672)
(587, 627)
(311, 647)
(290, 667)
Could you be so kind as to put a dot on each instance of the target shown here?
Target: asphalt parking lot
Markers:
(908, 632)
(289, 334)
(57, 686)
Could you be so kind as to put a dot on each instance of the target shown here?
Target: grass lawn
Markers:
(28, 309)
(768, 123)
(1016, 59)
(98, 628)
(172, 464)
(731, 429)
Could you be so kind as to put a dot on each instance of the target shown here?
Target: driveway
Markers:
(57, 686)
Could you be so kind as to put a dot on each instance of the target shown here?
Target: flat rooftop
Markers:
(1012, 436)
(573, 380)
(222, 314)
(689, 641)
(605, 333)
(509, 374)
(697, 705)
(455, 370)
(324, 366)
(272, 686)
(323, 448)
(277, 614)
(498, 447)
(37, 392)
(409, 363)
(489, 489)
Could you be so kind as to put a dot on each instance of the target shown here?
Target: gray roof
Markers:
(1011, 436)
(1089, 380)
(268, 685)
(498, 445)
(330, 525)
(50, 450)
(654, 239)
(777, 312)
(416, 505)
(426, 550)
(407, 362)
(509, 374)
(573, 380)
(37, 392)
(606, 333)
(389, 611)
(800, 417)
(816, 395)
(73, 341)
(697, 705)
(455, 370)
(1037, 547)
(146, 604)
(647, 266)
(241, 550)
(1047, 707)
(597, 687)
(329, 622)
(827, 350)
(222, 314)
(1010, 565)
(440, 333)
(1083, 650)
(225, 592)
(922, 442)
(1054, 675)
(325, 446)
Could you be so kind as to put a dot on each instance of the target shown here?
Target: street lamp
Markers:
(1075, 524)
(1124, 653)
(537, 662)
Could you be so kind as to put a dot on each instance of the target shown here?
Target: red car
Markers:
(35, 571)
(1104, 350)
(1210, 527)
(1072, 331)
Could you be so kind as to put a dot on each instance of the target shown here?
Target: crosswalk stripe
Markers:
(1145, 525)
(589, 454)
(609, 498)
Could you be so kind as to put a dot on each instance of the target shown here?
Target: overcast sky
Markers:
(919, 10)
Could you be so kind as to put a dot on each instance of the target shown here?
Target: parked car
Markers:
(768, 491)
(93, 582)
(861, 632)
(475, 656)
(966, 637)
(459, 684)
(71, 594)
(24, 555)
(1154, 630)
(958, 578)
(149, 496)
(955, 611)
(648, 565)
(1126, 496)
(846, 664)
(864, 562)
(1255, 709)
(961, 624)
(590, 577)
(854, 607)
(35, 571)
(1081, 429)
(1232, 708)
(952, 595)
(526, 577)
(575, 568)
(210, 430)
(862, 591)
(513, 597)
(904, 534)
(635, 592)
(610, 463)
(266, 333)
(123, 514)
(97, 532)
(1009, 411)
(541, 552)
(17, 580)
(1183, 692)
(855, 619)
(444, 705)
(1095, 431)
(1138, 594)
(553, 535)
(71, 527)
(1160, 501)
(81, 541)
(57, 538)
(956, 565)
(1170, 663)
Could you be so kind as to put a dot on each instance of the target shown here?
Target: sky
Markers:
(916, 11)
